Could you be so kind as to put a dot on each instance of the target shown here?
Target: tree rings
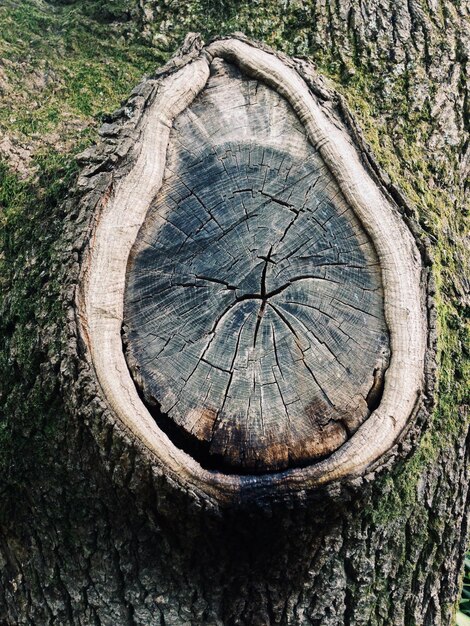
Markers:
(252, 300)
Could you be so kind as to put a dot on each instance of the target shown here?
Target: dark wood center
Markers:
(253, 310)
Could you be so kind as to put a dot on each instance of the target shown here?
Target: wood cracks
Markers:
(252, 301)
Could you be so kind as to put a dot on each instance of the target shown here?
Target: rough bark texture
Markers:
(93, 534)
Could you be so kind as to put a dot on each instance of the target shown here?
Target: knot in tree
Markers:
(253, 302)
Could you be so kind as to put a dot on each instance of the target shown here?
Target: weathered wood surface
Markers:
(254, 305)
(100, 531)
(218, 457)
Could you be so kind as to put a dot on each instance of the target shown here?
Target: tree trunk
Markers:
(95, 531)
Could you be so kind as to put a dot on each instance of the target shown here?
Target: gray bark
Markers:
(92, 533)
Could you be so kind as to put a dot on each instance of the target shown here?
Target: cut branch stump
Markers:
(252, 301)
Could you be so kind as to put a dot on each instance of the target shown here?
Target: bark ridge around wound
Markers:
(252, 302)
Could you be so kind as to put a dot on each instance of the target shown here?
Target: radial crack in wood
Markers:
(232, 283)
(268, 293)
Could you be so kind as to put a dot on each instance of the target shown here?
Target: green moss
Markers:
(63, 69)
(66, 64)
(397, 136)
(411, 169)
(31, 222)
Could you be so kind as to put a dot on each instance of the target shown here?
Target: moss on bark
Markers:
(67, 65)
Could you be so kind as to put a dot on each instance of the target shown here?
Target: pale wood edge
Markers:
(101, 290)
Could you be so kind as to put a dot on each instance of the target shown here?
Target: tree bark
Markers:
(93, 532)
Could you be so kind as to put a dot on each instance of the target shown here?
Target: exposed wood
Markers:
(254, 307)
(96, 528)
(328, 401)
